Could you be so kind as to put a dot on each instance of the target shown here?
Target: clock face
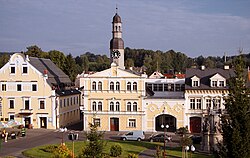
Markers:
(115, 54)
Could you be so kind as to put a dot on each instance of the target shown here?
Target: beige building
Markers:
(113, 99)
(31, 90)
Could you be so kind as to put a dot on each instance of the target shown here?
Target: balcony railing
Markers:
(26, 111)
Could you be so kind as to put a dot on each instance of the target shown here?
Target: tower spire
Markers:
(116, 9)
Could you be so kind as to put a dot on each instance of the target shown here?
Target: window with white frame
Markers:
(97, 122)
(99, 85)
(12, 117)
(134, 106)
(25, 69)
(117, 86)
(214, 83)
(27, 104)
(111, 86)
(12, 69)
(192, 103)
(198, 103)
(221, 83)
(216, 104)
(11, 103)
(34, 87)
(4, 87)
(19, 87)
(94, 106)
(94, 85)
(111, 106)
(208, 103)
(117, 106)
(129, 86)
(99, 106)
(135, 86)
(129, 106)
(42, 104)
(132, 123)
(195, 83)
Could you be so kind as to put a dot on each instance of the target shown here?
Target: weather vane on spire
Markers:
(116, 8)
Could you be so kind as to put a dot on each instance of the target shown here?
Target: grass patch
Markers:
(132, 147)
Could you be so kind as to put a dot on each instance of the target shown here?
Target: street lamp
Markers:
(165, 127)
(63, 130)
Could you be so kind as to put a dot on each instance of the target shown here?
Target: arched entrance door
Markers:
(195, 124)
(165, 119)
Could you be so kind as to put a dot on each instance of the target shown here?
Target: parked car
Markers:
(133, 135)
(196, 139)
(159, 137)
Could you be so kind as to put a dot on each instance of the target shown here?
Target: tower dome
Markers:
(117, 19)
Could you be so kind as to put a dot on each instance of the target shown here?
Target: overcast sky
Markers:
(194, 27)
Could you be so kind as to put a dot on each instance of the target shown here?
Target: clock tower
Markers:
(116, 43)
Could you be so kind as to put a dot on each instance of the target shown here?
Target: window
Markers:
(117, 106)
(34, 87)
(192, 103)
(12, 117)
(64, 102)
(160, 87)
(12, 69)
(99, 85)
(94, 86)
(26, 104)
(177, 87)
(12, 104)
(111, 86)
(117, 86)
(214, 83)
(182, 87)
(129, 86)
(42, 104)
(97, 122)
(135, 86)
(3, 87)
(94, 106)
(25, 70)
(71, 101)
(134, 106)
(67, 101)
(195, 83)
(132, 123)
(74, 100)
(99, 106)
(112, 106)
(208, 103)
(19, 87)
(129, 106)
(198, 103)
(216, 104)
(150, 86)
(221, 83)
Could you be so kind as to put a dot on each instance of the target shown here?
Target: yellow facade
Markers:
(119, 96)
(27, 96)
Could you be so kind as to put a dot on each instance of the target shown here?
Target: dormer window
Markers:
(221, 84)
(195, 81)
(217, 81)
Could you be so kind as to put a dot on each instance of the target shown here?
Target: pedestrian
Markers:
(5, 135)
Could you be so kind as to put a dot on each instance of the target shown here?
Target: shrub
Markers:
(50, 148)
(115, 150)
(62, 152)
(105, 155)
(132, 156)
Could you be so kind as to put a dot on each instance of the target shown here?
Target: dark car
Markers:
(196, 139)
(160, 138)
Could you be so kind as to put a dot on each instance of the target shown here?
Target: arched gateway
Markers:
(165, 119)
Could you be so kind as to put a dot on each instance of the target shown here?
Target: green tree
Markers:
(70, 67)
(95, 146)
(57, 58)
(129, 63)
(4, 59)
(236, 123)
(35, 51)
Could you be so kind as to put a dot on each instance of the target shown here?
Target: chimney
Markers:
(203, 67)
(45, 73)
(226, 67)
